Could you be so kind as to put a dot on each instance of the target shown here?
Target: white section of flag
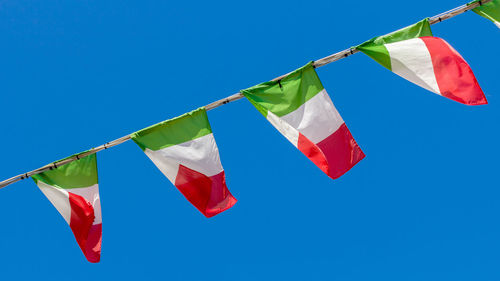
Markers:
(284, 128)
(411, 60)
(201, 155)
(59, 198)
(316, 119)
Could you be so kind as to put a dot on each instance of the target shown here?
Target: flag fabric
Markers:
(185, 151)
(73, 189)
(430, 62)
(490, 10)
(299, 108)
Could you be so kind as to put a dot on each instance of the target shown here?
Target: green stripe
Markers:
(490, 10)
(376, 50)
(288, 94)
(186, 127)
(76, 174)
(379, 53)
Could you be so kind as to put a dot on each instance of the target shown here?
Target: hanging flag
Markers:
(74, 191)
(427, 61)
(185, 151)
(299, 108)
(490, 10)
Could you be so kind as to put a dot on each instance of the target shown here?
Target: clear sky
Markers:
(422, 205)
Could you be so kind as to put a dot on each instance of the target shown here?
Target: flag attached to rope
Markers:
(74, 191)
(430, 62)
(490, 10)
(299, 108)
(185, 151)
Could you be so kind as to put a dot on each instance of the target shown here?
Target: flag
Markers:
(185, 151)
(73, 189)
(430, 62)
(490, 10)
(299, 108)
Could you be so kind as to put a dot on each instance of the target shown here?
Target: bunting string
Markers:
(318, 63)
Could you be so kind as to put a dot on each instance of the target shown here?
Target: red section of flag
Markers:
(454, 76)
(312, 152)
(335, 155)
(208, 194)
(82, 218)
(93, 245)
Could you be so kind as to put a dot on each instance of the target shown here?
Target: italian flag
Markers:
(430, 62)
(490, 10)
(185, 151)
(299, 108)
(74, 191)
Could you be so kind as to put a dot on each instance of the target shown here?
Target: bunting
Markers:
(185, 151)
(430, 62)
(299, 108)
(73, 189)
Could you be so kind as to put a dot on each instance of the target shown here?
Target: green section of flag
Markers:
(288, 94)
(376, 50)
(490, 10)
(76, 174)
(186, 127)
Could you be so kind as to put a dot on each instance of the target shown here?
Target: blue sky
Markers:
(422, 205)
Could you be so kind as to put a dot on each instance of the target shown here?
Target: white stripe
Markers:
(284, 128)
(316, 119)
(201, 155)
(497, 23)
(90, 194)
(59, 198)
(411, 60)
(169, 167)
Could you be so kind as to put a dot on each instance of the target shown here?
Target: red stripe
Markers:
(208, 194)
(93, 245)
(82, 218)
(312, 152)
(454, 76)
(335, 155)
